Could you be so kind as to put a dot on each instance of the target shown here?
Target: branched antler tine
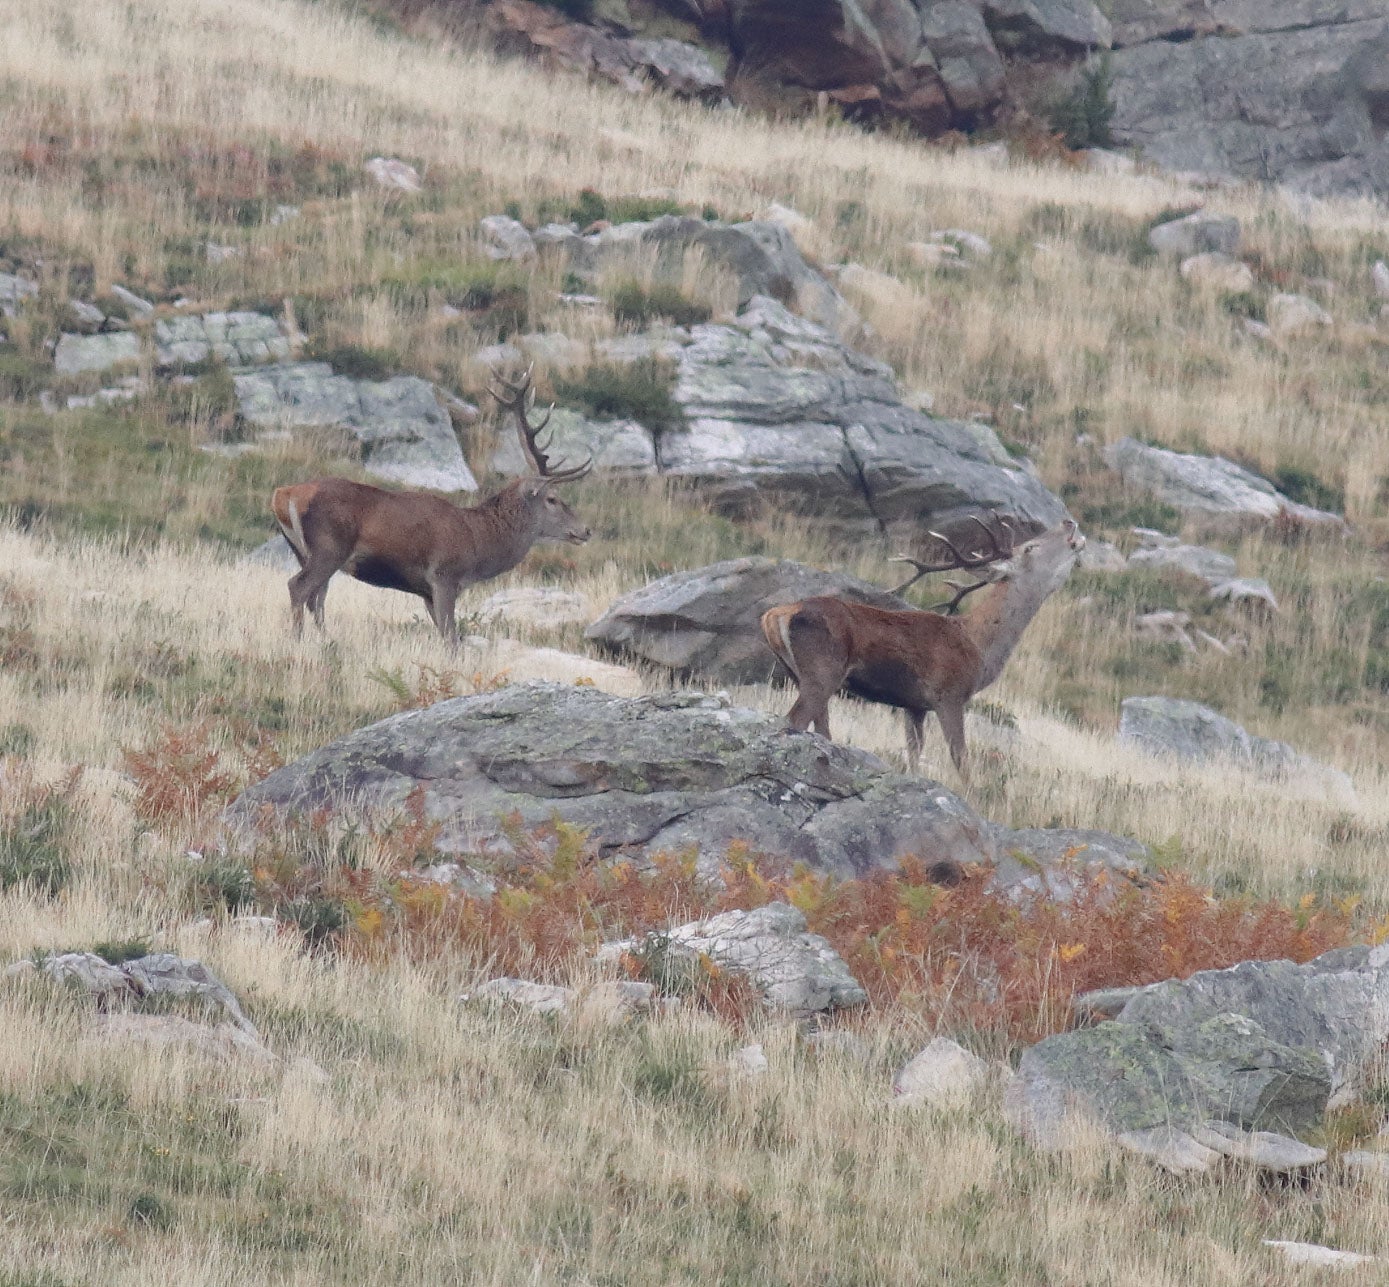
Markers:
(952, 604)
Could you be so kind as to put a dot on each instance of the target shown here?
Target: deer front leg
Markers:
(913, 720)
(952, 722)
(443, 603)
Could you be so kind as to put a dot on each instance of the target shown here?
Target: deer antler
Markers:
(960, 559)
(519, 396)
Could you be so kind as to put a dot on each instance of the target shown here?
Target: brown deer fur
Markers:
(420, 543)
(914, 660)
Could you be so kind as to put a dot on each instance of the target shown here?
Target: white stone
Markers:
(506, 238)
(1101, 556)
(933, 254)
(1309, 1253)
(1165, 627)
(78, 353)
(391, 173)
(1379, 276)
(1265, 1149)
(792, 220)
(749, 1061)
(140, 307)
(1221, 272)
(1195, 234)
(942, 1075)
(1171, 1149)
(1246, 592)
(221, 1043)
(1292, 315)
(968, 243)
(218, 253)
(539, 998)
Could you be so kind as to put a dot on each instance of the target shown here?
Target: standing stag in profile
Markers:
(915, 660)
(420, 543)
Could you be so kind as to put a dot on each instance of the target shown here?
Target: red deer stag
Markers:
(920, 661)
(420, 543)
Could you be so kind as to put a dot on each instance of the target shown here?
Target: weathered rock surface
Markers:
(704, 622)
(1196, 561)
(1219, 272)
(506, 238)
(1315, 1255)
(652, 773)
(222, 1043)
(1190, 731)
(613, 1000)
(777, 408)
(393, 174)
(1047, 26)
(534, 605)
(1060, 862)
(161, 974)
(238, 339)
(1291, 91)
(615, 446)
(78, 353)
(404, 434)
(793, 969)
(1293, 315)
(1262, 1045)
(942, 1075)
(1199, 233)
(1221, 494)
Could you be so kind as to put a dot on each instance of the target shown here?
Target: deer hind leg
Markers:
(912, 721)
(819, 670)
(952, 722)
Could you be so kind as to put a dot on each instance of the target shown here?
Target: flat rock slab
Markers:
(1211, 489)
(1261, 1046)
(614, 446)
(654, 773)
(76, 354)
(705, 622)
(405, 436)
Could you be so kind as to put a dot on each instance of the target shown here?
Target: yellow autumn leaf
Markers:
(1068, 952)
(369, 922)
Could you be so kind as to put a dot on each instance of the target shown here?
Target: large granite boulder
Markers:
(777, 409)
(704, 622)
(404, 435)
(1262, 1044)
(619, 447)
(652, 774)
(1213, 491)
(1293, 91)
(1047, 26)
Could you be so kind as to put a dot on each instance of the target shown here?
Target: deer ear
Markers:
(533, 487)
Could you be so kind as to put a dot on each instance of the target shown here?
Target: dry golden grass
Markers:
(448, 1145)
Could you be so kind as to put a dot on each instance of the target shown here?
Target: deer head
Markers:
(991, 556)
(554, 519)
(1046, 560)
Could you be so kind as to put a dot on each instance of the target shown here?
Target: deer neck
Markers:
(510, 525)
(996, 622)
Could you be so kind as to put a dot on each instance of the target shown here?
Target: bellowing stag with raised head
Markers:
(920, 661)
(421, 543)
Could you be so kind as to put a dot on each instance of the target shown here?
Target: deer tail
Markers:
(294, 529)
(776, 628)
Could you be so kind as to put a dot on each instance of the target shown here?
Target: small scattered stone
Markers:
(1246, 592)
(1293, 315)
(76, 354)
(933, 254)
(942, 1075)
(222, 1043)
(968, 243)
(1165, 627)
(506, 238)
(1265, 1149)
(1171, 1149)
(137, 305)
(14, 290)
(1220, 272)
(749, 1061)
(395, 174)
(1196, 234)
(536, 606)
(539, 998)
(1197, 561)
(283, 214)
(1310, 1253)
(88, 318)
(1367, 1162)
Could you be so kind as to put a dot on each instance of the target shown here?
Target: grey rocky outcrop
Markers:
(1216, 492)
(770, 946)
(404, 435)
(1190, 731)
(704, 622)
(238, 339)
(1289, 91)
(655, 773)
(1059, 863)
(1047, 26)
(776, 409)
(506, 238)
(621, 447)
(1264, 1045)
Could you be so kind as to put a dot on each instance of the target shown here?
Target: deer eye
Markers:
(551, 500)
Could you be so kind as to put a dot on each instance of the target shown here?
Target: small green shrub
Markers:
(22, 378)
(16, 739)
(1244, 303)
(33, 844)
(224, 883)
(1304, 487)
(639, 391)
(1083, 116)
(641, 305)
(592, 206)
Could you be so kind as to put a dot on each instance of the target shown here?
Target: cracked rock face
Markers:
(653, 773)
(779, 410)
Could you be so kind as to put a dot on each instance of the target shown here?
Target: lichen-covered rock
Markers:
(704, 622)
(1211, 489)
(1060, 862)
(1262, 1045)
(651, 773)
(793, 969)
(405, 436)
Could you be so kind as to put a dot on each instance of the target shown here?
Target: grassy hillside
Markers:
(445, 1146)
